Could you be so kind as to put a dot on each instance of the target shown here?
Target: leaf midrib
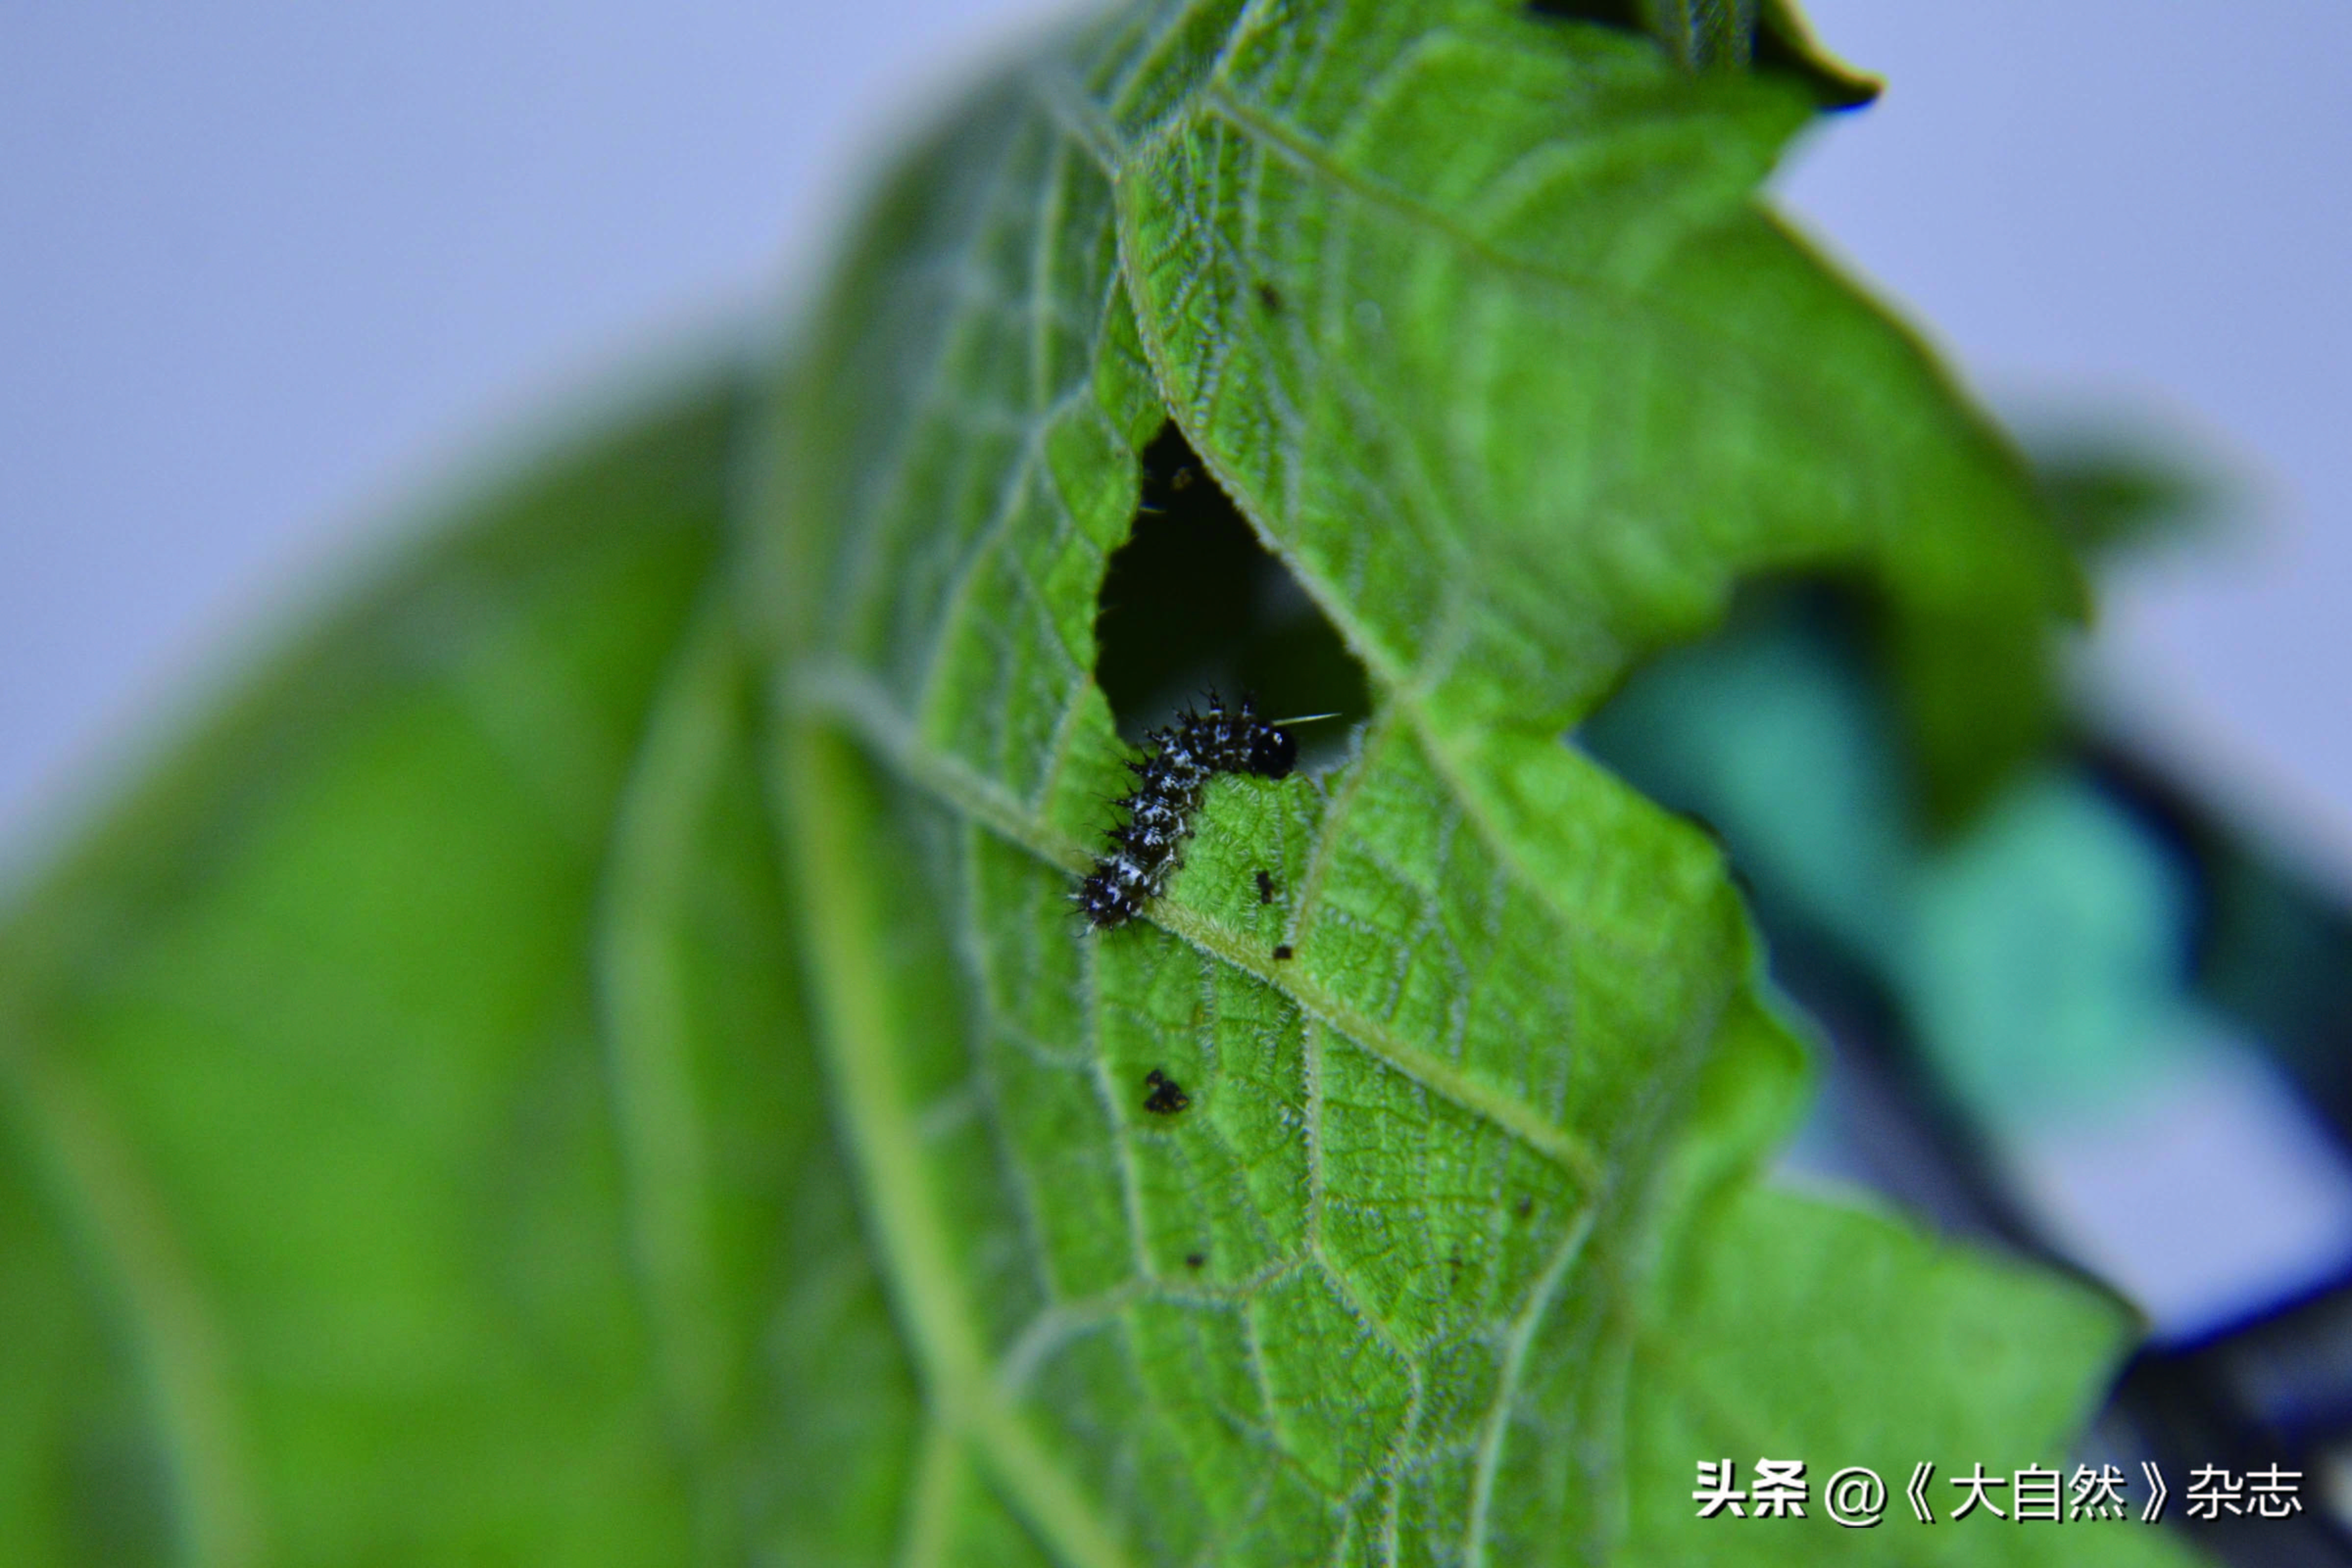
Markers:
(816, 774)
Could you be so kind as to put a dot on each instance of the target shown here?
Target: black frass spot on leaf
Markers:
(1281, 953)
(1167, 1096)
(1264, 887)
(1192, 602)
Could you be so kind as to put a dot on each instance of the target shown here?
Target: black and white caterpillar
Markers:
(1171, 777)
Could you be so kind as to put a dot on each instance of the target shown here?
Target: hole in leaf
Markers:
(1192, 601)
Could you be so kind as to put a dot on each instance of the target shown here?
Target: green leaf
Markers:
(1477, 319)
(2117, 488)
(592, 1058)
(1931, 1353)
(314, 1205)
(1784, 1327)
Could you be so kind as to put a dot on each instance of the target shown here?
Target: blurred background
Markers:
(270, 275)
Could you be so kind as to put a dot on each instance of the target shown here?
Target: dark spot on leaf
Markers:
(1270, 296)
(1264, 888)
(1194, 1259)
(1526, 1207)
(1192, 602)
(1282, 953)
(1167, 1096)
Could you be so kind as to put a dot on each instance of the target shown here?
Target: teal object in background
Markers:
(1773, 736)
(2046, 956)
(2038, 960)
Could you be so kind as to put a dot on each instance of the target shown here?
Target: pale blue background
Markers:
(269, 270)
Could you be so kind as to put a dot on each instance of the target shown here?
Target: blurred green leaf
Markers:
(302, 1060)
(462, 1135)
(2119, 489)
